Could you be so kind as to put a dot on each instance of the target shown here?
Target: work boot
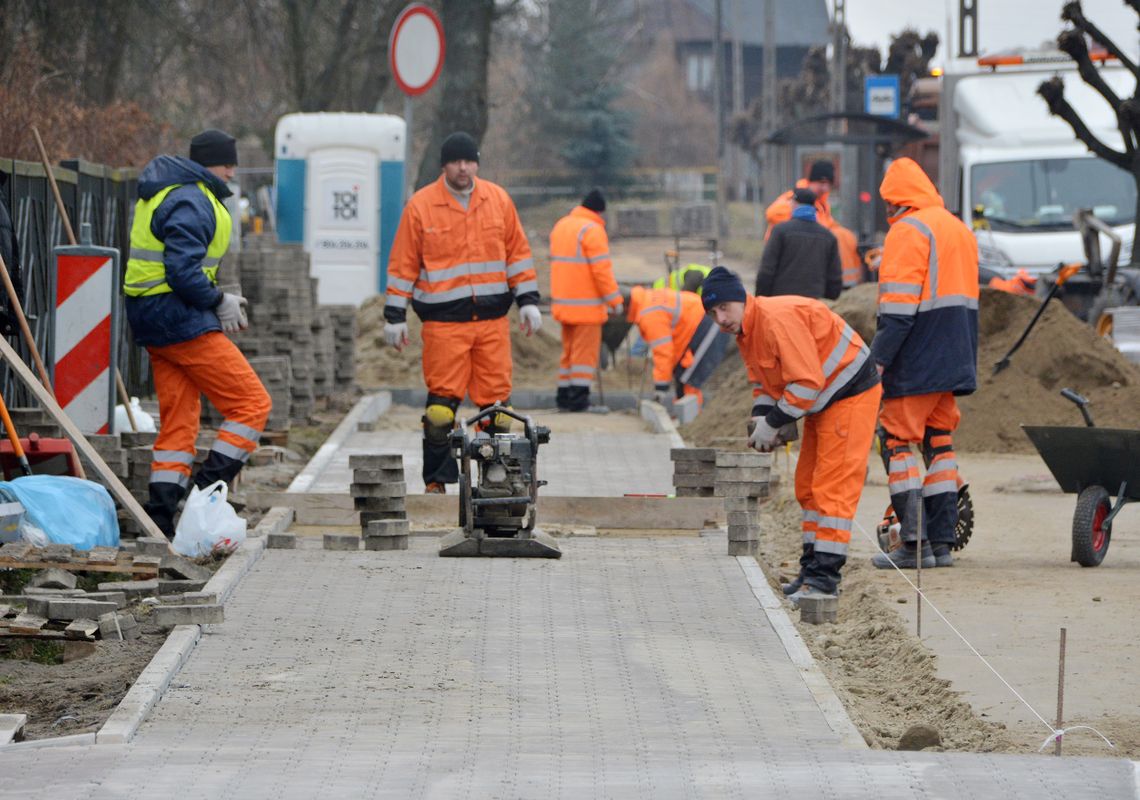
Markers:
(807, 590)
(904, 558)
(794, 586)
(942, 556)
(435, 488)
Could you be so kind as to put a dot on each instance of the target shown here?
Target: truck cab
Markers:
(1017, 174)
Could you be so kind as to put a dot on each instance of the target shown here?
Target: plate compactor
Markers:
(497, 512)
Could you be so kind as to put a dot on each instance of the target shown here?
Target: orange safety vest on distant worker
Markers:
(581, 274)
(667, 320)
(780, 210)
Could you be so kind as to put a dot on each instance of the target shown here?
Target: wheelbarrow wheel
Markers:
(1090, 533)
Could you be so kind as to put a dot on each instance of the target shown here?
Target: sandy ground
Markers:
(408, 418)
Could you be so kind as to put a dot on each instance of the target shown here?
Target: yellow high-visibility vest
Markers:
(675, 280)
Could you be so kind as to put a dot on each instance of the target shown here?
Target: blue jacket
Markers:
(185, 223)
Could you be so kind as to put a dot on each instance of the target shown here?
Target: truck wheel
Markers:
(1090, 533)
(965, 527)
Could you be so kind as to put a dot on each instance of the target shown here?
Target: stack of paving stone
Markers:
(343, 319)
(35, 420)
(742, 480)
(276, 377)
(378, 490)
(324, 346)
(694, 471)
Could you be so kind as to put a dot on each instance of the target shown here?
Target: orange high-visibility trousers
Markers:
(929, 420)
(468, 358)
(581, 347)
(829, 482)
(211, 365)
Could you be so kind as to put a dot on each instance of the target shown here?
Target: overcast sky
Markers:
(1002, 24)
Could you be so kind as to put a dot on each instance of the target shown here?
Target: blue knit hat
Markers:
(722, 286)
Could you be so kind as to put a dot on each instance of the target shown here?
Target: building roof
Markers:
(801, 23)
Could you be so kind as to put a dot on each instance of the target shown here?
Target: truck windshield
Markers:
(1043, 194)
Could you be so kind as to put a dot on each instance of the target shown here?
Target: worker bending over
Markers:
(926, 348)
(685, 344)
(583, 293)
(806, 363)
(461, 257)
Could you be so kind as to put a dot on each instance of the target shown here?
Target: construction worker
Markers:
(820, 180)
(806, 363)
(583, 293)
(684, 279)
(179, 235)
(801, 256)
(461, 257)
(926, 349)
(685, 344)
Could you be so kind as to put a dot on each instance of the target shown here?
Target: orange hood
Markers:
(906, 185)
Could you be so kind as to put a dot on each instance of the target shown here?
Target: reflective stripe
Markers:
(584, 301)
(901, 288)
(462, 270)
(904, 485)
(402, 284)
(902, 465)
(581, 233)
(811, 516)
(659, 342)
(144, 254)
(612, 296)
(809, 537)
(842, 379)
(526, 286)
(802, 392)
(898, 309)
(666, 309)
(173, 456)
(170, 476)
(519, 267)
(828, 546)
(838, 352)
(939, 487)
(789, 409)
(563, 370)
(950, 301)
(563, 381)
(461, 292)
(568, 260)
(397, 301)
(940, 464)
(146, 284)
(230, 450)
(835, 523)
(582, 368)
(932, 261)
(244, 431)
(706, 343)
(596, 259)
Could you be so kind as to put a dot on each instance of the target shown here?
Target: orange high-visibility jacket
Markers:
(581, 275)
(927, 336)
(780, 210)
(801, 357)
(459, 265)
(667, 320)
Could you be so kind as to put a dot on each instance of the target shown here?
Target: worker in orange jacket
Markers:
(461, 257)
(926, 348)
(685, 344)
(820, 179)
(583, 293)
(806, 363)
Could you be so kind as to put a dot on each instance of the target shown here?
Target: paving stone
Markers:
(737, 458)
(185, 568)
(12, 728)
(169, 586)
(699, 481)
(376, 461)
(741, 490)
(191, 599)
(102, 555)
(378, 475)
(819, 610)
(743, 533)
(387, 527)
(694, 491)
(341, 541)
(740, 474)
(748, 518)
(57, 552)
(81, 629)
(281, 541)
(707, 468)
(390, 542)
(154, 562)
(35, 591)
(692, 454)
(71, 609)
(53, 579)
(751, 504)
(27, 623)
(746, 548)
(169, 616)
(385, 490)
(152, 546)
(370, 516)
(134, 590)
(37, 606)
(379, 503)
(118, 598)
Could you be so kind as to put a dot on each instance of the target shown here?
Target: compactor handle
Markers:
(1082, 403)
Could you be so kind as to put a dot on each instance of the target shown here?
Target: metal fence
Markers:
(94, 194)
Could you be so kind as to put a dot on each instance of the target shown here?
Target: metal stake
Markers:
(918, 568)
(1060, 692)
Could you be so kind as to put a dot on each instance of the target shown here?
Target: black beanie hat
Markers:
(822, 171)
(458, 146)
(804, 196)
(213, 148)
(722, 286)
(594, 201)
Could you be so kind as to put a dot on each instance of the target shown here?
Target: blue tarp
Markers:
(68, 510)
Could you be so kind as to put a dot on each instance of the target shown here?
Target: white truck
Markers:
(1001, 150)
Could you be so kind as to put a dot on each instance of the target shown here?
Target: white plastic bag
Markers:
(143, 420)
(209, 523)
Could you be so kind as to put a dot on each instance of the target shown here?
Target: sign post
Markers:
(416, 48)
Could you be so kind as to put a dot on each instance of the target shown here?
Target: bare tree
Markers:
(1072, 41)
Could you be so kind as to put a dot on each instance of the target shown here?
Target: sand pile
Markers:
(377, 365)
(1061, 351)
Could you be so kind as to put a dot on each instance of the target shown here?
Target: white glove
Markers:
(231, 313)
(396, 334)
(618, 310)
(530, 319)
(763, 437)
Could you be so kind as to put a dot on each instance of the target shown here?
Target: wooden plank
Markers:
(43, 635)
(102, 555)
(27, 623)
(121, 493)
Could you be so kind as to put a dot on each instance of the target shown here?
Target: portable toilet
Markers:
(340, 187)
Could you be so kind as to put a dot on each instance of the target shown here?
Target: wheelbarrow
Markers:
(1096, 464)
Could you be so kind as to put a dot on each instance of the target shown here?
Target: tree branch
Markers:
(1053, 92)
(1072, 12)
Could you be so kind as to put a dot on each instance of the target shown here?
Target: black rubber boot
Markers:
(163, 506)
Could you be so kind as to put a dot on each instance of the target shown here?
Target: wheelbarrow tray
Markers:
(1082, 456)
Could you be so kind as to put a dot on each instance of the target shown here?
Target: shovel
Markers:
(1063, 274)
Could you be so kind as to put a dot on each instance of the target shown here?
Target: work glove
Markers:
(763, 437)
(663, 393)
(396, 334)
(530, 319)
(231, 313)
(618, 310)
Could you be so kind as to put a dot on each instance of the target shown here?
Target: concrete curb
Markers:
(367, 408)
(74, 740)
(829, 703)
(276, 520)
(659, 420)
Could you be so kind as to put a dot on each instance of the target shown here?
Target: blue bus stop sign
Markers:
(881, 95)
